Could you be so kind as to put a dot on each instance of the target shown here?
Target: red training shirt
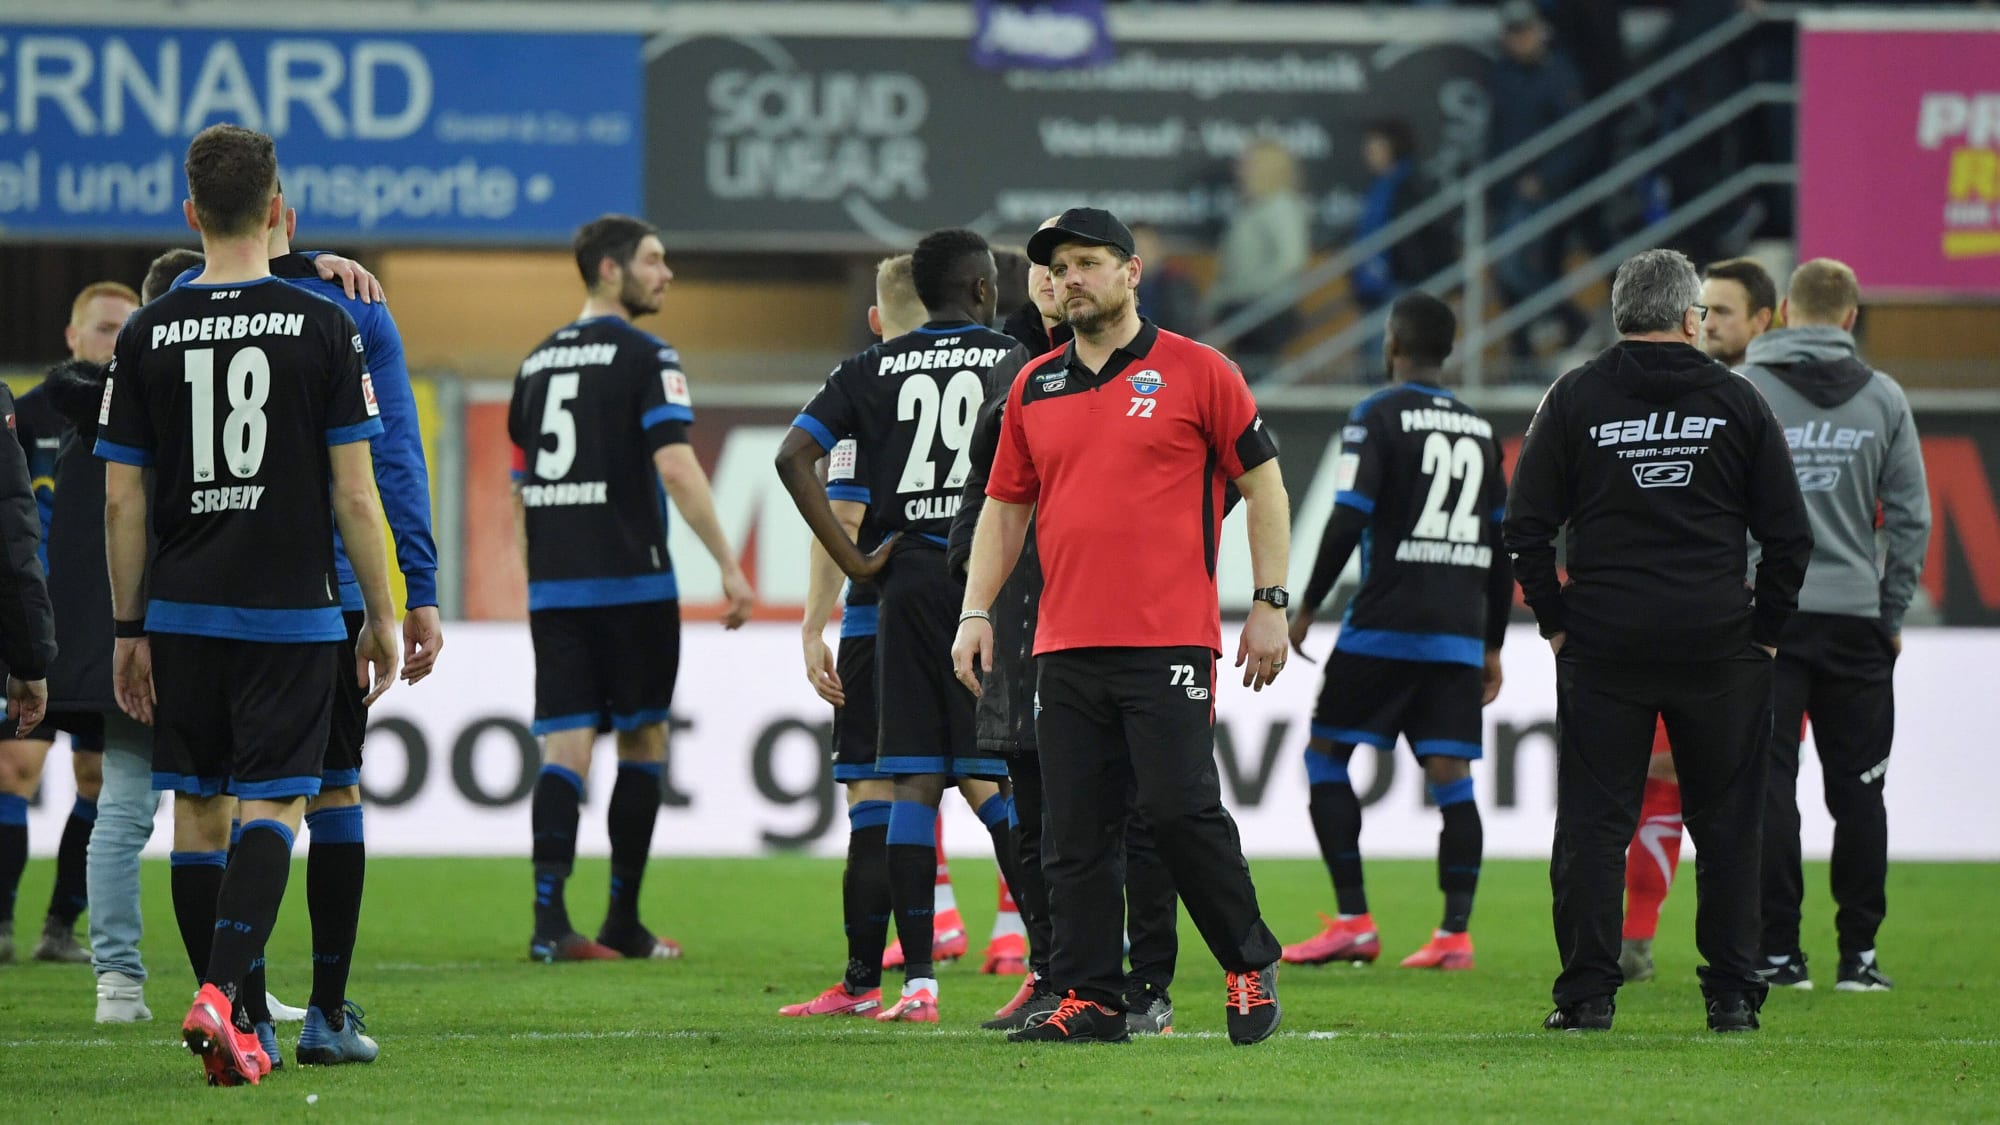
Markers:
(1126, 467)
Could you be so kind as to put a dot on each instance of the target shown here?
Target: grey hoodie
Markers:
(1854, 445)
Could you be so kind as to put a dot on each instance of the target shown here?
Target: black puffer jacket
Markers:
(1006, 716)
(27, 625)
(79, 580)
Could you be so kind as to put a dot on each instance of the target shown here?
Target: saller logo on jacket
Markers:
(1657, 427)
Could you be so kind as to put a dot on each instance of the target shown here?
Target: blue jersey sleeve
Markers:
(401, 474)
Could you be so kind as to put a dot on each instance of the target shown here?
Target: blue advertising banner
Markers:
(429, 136)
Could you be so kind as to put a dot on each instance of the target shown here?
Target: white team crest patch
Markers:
(676, 386)
(104, 411)
(367, 395)
(1147, 382)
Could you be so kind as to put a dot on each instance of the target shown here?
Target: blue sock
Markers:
(1322, 769)
(1460, 844)
(336, 867)
(913, 881)
(993, 811)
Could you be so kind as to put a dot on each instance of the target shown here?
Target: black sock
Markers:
(336, 865)
(1336, 817)
(995, 816)
(558, 795)
(72, 891)
(635, 806)
(913, 881)
(252, 1002)
(864, 893)
(197, 881)
(1459, 845)
(13, 851)
(245, 910)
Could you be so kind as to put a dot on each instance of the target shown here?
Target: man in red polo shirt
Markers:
(1119, 445)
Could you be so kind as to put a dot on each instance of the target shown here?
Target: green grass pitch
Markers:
(471, 1031)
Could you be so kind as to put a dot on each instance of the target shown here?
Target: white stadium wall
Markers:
(450, 764)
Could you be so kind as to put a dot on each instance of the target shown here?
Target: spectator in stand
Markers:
(1388, 151)
(1168, 296)
(1532, 87)
(1264, 246)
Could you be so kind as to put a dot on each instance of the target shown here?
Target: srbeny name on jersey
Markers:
(240, 327)
(1652, 427)
(242, 497)
(939, 358)
(570, 355)
(564, 494)
(1447, 421)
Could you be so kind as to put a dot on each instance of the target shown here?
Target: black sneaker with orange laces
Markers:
(1253, 1005)
(1076, 1021)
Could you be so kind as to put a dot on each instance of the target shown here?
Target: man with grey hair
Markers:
(1855, 443)
(1659, 465)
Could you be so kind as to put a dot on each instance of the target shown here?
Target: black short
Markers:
(1369, 700)
(241, 717)
(854, 725)
(85, 730)
(350, 715)
(607, 667)
(925, 714)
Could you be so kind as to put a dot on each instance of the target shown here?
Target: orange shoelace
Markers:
(1070, 1007)
(1244, 989)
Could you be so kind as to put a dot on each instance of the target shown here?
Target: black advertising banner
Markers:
(830, 141)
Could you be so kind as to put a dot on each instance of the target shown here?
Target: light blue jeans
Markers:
(124, 823)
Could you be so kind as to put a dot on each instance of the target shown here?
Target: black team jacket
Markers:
(1006, 715)
(79, 579)
(27, 624)
(1658, 464)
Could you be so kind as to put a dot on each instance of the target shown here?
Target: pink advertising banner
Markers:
(1899, 157)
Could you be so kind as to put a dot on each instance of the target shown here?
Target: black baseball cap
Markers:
(1080, 224)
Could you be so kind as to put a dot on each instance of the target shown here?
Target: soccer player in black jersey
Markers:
(848, 682)
(600, 423)
(910, 404)
(1421, 491)
(247, 401)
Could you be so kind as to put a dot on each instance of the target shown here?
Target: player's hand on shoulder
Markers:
(375, 657)
(354, 280)
(423, 639)
(736, 589)
(28, 701)
(821, 671)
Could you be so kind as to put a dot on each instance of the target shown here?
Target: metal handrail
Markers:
(1572, 282)
(1475, 184)
(1589, 194)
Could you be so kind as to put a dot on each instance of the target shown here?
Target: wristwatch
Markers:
(1275, 596)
